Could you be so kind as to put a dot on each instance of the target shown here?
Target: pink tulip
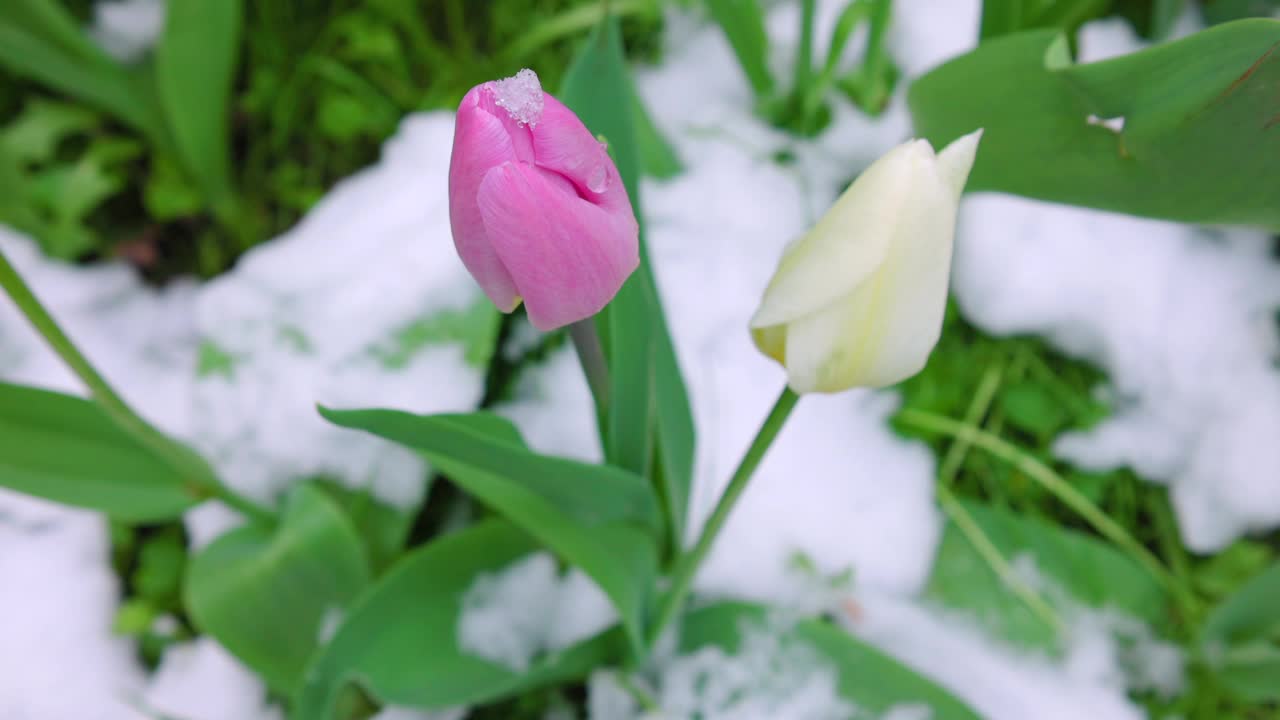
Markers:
(537, 207)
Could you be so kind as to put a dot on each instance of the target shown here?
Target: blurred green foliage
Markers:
(320, 84)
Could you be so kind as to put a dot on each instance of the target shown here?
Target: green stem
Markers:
(804, 53)
(586, 341)
(991, 554)
(853, 14)
(687, 566)
(193, 470)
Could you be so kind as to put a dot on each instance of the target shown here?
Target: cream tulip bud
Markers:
(858, 300)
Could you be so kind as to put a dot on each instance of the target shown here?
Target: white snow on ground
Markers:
(127, 29)
(512, 615)
(1176, 317)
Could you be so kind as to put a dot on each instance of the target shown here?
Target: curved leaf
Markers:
(599, 518)
(1241, 638)
(265, 594)
(1091, 572)
(1185, 131)
(195, 67)
(399, 642)
(68, 450)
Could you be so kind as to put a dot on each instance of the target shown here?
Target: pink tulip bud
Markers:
(537, 207)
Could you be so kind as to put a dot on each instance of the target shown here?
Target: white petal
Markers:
(956, 160)
(883, 331)
(850, 240)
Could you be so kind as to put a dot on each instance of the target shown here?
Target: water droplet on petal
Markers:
(598, 180)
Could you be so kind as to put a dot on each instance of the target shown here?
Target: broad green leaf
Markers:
(1001, 17)
(1220, 11)
(743, 24)
(1200, 123)
(67, 450)
(383, 528)
(399, 641)
(1064, 566)
(195, 68)
(599, 518)
(866, 677)
(657, 157)
(41, 40)
(1241, 638)
(647, 391)
(598, 88)
(267, 594)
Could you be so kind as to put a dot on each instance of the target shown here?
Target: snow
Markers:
(512, 615)
(521, 96)
(996, 681)
(769, 676)
(127, 29)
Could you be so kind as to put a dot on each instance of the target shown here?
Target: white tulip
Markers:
(858, 301)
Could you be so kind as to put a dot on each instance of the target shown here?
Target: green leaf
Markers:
(383, 528)
(647, 391)
(599, 518)
(1220, 11)
(657, 158)
(34, 136)
(266, 593)
(1032, 406)
(1241, 638)
(195, 67)
(869, 679)
(743, 24)
(1089, 572)
(598, 88)
(399, 641)
(1201, 123)
(67, 450)
(41, 40)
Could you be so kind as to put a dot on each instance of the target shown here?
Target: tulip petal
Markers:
(884, 330)
(480, 143)
(562, 144)
(956, 160)
(567, 256)
(849, 242)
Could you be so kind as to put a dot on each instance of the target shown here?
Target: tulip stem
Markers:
(591, 356)
(688, 564)
(190, 467)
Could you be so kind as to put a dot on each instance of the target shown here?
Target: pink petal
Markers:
(567, 256)
(562, 144)
(480, 143)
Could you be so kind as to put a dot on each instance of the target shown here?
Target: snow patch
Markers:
(521, 96)
(512, 615)
(127, 29)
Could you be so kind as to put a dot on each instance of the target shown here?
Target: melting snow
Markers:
(521, 96)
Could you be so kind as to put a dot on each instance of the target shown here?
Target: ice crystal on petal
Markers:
(521, 96)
